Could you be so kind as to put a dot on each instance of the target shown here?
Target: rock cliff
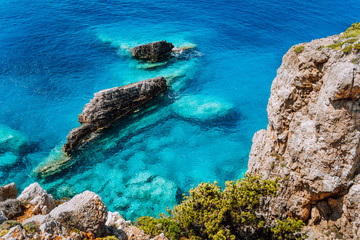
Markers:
(312, 141)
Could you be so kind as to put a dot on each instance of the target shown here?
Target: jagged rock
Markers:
(8, 191)
(109, 105)
(16, 233)
(11, 208)
(114, 219)
(35, 195)
(85, 211)
(152, 51)
(312, 141)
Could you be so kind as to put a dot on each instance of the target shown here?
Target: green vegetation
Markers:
(9, 224)
(3, 232)
(357, 46)
(209, 213)
(299, 49)
(31, 227)
(108, 238)
(347, 49)
(351, 35)
(336, 46)
(352, 31)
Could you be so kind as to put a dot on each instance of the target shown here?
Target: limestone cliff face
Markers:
(312, 141)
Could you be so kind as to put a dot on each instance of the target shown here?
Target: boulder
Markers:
(8, 191)
(41, 201)
(85, 211)
(152, 51)
(11, 208)
(110, 105)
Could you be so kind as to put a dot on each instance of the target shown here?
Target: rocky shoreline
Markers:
(34, 214)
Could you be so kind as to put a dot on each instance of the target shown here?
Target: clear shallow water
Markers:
(54, 56)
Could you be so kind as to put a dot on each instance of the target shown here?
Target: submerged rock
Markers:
(12, 140)
(202, 107)
(152, 51)
(8, 160)
(110, 105)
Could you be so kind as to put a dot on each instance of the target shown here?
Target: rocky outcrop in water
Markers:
(312, 141)
(152, 51)
(110, 105)
(85, 216)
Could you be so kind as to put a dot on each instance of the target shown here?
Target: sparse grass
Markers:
(299, 49)
(352, 31)
(357, 46)
(336, 46)
(351, 40)
(9, 224)
(347, 49)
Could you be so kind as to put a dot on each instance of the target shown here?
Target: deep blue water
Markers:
(54, 55)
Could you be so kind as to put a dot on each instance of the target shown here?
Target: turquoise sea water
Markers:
(54, 55)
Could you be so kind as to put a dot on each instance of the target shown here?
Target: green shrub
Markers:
(287, 229)
(31, 227)
(154, 227)
(209, 213)
(299, 49)
(352, 31)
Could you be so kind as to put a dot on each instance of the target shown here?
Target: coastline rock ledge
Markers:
(110, 105)
(312, 142)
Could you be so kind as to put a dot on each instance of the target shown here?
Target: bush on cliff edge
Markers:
(209, 213)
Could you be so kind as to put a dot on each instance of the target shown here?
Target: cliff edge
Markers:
(312, 141)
